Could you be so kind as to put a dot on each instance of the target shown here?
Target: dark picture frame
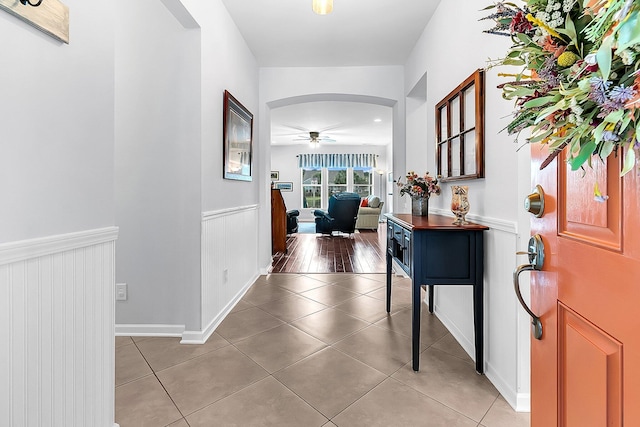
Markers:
(460, 131)
(275, 175)
(284, 186)
(237, 137)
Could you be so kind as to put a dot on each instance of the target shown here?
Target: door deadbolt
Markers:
(535, 252)
(534, 202)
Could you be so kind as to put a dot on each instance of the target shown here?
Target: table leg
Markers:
(431, 288)
(415, 324)
(478, 317)
(389, 261)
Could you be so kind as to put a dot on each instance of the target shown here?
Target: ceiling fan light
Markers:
(322, 7)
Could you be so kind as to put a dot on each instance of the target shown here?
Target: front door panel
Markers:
(586, 368)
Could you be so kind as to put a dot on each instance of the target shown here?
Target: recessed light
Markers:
(377, 120)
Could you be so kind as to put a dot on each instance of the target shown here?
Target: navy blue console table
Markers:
(433, 251)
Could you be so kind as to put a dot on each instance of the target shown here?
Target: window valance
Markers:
(316, 160)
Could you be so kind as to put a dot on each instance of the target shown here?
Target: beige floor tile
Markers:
(302, 284)
(379, 277)
(451, 381)
(162, 353)
(120, 341)
(395, 404)
(208, 378)
(329, 295)
(180, 423)
(329, 380)
(144, 403)
(431, 329)
(400, 295)
(130, 365)
(292, 307)
(261, 293)
(329, 325)
(502, 414)
(138, 339)
(242, 325)
(331, 277)
(449, 345)
(265, 403)
(277, 278)
(241, 305)
(279, 347)
(379, 348)
(361, 284)
(366, 308)
(329, 424)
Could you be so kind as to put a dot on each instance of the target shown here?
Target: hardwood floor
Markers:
(362, 252)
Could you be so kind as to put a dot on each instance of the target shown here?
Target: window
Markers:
(362, 182)
(319, 184)
(460, 131)
(312, 188)
(337, 181)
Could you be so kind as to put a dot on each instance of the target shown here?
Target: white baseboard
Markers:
(523, 402)
(142, 330)
(201, 337)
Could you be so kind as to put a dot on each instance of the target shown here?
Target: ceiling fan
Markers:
(314, 138)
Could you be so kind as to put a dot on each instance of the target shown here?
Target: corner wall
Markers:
(439, 62)
(169, 184)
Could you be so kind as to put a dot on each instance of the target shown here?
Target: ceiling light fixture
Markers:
(322, 7)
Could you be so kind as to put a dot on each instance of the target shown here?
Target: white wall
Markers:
(442, 60)
(287, 86)
(57, 221)
(56, 137)
(169, 109)
(284, 160)
(157, 183)
(227, 63)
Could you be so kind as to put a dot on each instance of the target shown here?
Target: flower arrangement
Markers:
(579, 86)
(419, 186)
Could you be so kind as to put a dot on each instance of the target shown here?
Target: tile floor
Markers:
(309, 350)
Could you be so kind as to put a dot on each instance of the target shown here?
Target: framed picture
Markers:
(284, 186)
(237, 136)
(275, 175)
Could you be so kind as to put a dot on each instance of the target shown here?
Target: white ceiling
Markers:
(348, 123)
(286, 33)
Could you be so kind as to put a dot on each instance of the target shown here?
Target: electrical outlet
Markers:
(121, 291)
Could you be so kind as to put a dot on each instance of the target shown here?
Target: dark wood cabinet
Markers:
(278, 222)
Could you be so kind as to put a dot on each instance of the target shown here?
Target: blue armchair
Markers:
(340, 216)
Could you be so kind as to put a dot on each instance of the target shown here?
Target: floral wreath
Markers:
(579, 88)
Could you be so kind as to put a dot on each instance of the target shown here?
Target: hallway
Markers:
(308, 350)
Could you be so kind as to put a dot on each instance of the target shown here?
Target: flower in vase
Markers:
(418, 186)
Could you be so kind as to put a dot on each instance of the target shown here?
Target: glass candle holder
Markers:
(460, 203)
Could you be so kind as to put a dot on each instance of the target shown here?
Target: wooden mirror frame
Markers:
(456, 135)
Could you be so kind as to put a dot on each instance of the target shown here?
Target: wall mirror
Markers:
(460, 131)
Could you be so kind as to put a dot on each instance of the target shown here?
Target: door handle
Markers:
(536, 260)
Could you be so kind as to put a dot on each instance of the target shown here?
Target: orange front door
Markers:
(585, 371)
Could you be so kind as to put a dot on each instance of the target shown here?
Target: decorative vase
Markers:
(420, 206)
(460, 203)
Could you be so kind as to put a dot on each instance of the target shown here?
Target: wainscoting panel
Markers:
(56, 330)
(504, 330)
(229, 264)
